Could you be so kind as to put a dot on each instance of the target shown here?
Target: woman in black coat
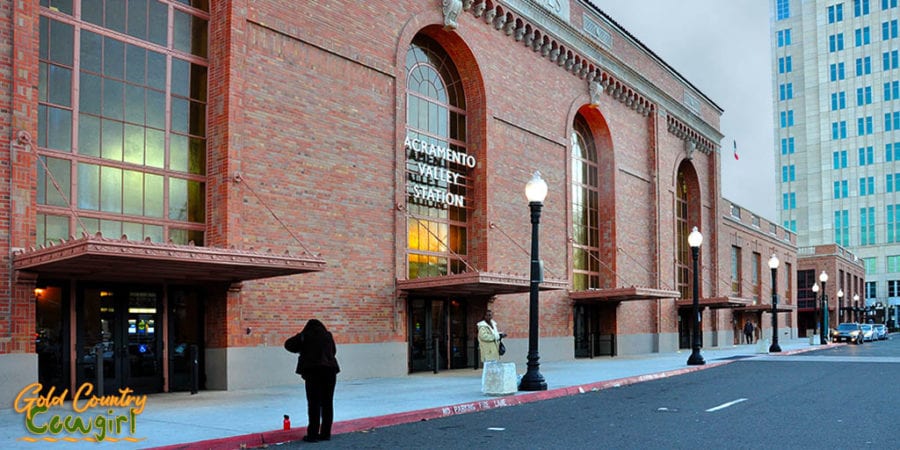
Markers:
(319, 368)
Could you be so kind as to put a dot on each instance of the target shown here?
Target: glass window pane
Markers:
(197, 164)
(154, 151)
(178, 199)
(153, 195)
(60, 171)
(134, 144)
(111, 228)
(113, 99)
(90, 225)
(159, 23)
(111, 189)
(61, 43)
(56, 228)
(137, 18)
(88, 186)
(60, 84)
(42, 125)
(154, 232)
(113, 58)
(134, 231)
(91, 87)
(111, 140)
(59, 129)
(92, 11)
(44, 47)
(198, 82)
(91, 51)
(88, 135)
(178, 152)
(133, 192)
(156, 109)
(115, 15)
(135, 64)
(156, 70)
(198, 119)
(181, 77)
(42, 82)
(179, 115)
(182, 32)
(134, 104)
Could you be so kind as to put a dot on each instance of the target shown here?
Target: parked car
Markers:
(868, 331)
(880, 331)
(849, 332)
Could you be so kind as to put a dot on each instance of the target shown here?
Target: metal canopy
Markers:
(717, 302)
(485, 284)
(622, 294)
(94, 257)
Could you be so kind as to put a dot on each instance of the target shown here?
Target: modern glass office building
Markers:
(836, 82)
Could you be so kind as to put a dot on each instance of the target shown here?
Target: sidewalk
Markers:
(230, 419)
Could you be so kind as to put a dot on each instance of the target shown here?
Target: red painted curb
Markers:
(368, 423)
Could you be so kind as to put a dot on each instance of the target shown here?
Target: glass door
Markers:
(118, 339)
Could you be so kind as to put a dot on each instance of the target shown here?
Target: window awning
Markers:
(474, 284)
(768, 308)
(716, 302)
(93, 257)
(622, 294)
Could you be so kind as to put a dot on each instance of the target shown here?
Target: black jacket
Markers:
(317, 351)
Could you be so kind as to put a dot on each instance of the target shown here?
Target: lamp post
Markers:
(694, 240)
(840, 305)
(773, 265)
(855, 308)
(815, 289)
(823, 278)
(535, 192)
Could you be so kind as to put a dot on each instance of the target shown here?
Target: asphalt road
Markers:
(836, 398)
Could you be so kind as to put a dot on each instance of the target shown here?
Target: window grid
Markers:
(124, 98)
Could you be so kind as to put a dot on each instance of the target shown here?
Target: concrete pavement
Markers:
(253, 417)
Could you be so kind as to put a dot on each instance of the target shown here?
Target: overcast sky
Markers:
(722, 48)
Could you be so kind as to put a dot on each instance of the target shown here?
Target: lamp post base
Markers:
(696, 359)
(533, 381)
(774, 348)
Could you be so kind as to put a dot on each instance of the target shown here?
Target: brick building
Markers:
(844, 289)
(192, 176)
(747, 244)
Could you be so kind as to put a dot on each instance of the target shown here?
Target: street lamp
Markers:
(773, 265)
(815, 289)
(840, 305)
(855, 308)
(535, 192)
(694, 240)
(823, 278)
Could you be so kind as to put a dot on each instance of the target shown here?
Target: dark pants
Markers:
(320, 402)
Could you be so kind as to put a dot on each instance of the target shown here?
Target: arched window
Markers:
(585, 208)
(682, 229)
(437, 165)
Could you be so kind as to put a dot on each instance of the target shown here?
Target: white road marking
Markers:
(725, 405)
(496, 429)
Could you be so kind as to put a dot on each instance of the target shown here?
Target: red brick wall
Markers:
(307, 107)
(18, 103)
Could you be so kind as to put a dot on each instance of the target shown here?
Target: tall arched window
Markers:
(683, 250)
(437, 165)
(585, 208)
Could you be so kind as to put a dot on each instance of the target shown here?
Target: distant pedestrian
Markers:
(748, 332)
(318, 367)
(489, 338)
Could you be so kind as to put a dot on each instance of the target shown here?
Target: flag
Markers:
(735, 149)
